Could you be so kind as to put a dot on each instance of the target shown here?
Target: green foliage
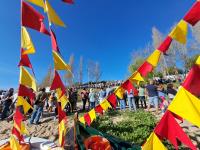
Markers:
(134, 127)
(136, 64)
(190, 61)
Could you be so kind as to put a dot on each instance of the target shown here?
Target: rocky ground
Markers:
(48, 129)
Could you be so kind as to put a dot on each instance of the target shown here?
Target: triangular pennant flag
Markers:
(99, 109)
(192, 81)
(136, 77)
(168, 128)
(68, 1)
(14, 144)
(24, 61)
(59, 62)
(22, 129)
(62, 133)
(53, 17)
(18, 117)
(17, 134)
(153, 143)
(105, 105)
(164, 46)
(128, 86)
(179, 33)
(119, 92)
(33, 19)
(145, 68)
(26, 42)
(54, 41)
(186, 106)
(62, 99)
(82, 120)
(39, 3)
(154, 58)
(24, 91)
(27, 79)
(57, 83)
(193, 16)
(61, 114)
(113, 100)
(198, 61)
(87, 119)
(92, 115)
(22, 102)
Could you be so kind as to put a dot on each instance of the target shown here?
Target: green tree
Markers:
(190, 61)
(137, 61)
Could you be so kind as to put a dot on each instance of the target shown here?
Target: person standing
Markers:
(152, 95)
(102, 95)
(122, 102)
(141, 95)
(7, 101)
(171, 92)
(131, 100)
(84, 97)
(38, 106)
(92, 98)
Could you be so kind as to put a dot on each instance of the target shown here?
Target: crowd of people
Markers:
(144, 96)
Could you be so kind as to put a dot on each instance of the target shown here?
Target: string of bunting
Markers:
(59, 64)
(32, 19)
(186, 103)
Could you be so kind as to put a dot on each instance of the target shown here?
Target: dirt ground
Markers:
(48, 129)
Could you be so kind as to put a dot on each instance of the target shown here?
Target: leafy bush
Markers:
(134, 127)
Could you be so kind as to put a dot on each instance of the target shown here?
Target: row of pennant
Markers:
(32, 19)
(186, 104)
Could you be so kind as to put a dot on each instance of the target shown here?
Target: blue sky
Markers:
(106, 31)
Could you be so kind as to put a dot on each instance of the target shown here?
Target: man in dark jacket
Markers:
(38, 106)
(7, 101)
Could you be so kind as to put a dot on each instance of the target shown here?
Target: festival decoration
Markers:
(164, 46)
(136, 77)
(57, 83)
(68, 1)
(27, 79)
(59, 63)
(154, 58)
(192, 82)
(24, 61)
(153, 143)
(99, 109)
(53, 17)
(179, 33)
(145, 68)
(113, 100)
(39, 3)
(168, 128)
(193, 16)
(54, 42)
(187, 106)
(22, 102)
(14, 144)
(24, 91)
(26, 42)
(198, 61)
(33, 19)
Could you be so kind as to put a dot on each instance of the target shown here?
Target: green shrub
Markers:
(134, 127)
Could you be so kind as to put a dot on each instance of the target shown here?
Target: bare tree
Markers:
(46, 82)
(97, 72)
(68, 77)
(80, 73)
(94, 71)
